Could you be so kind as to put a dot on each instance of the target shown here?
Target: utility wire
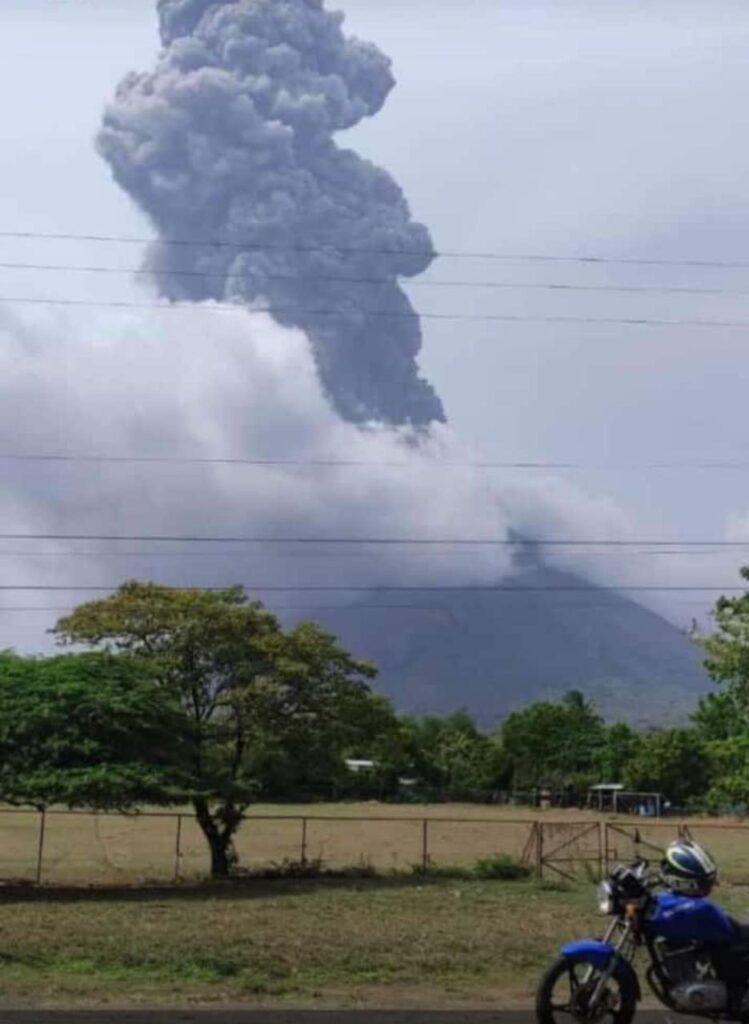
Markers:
(314, 555)
(378, 314)
(430, 463)
(380, 541)
(420, 283)
(400, 588)
(277, 608)
(523, 257)
(402, 606)
(272, 463)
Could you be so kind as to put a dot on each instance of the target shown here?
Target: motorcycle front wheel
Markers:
(564, 993)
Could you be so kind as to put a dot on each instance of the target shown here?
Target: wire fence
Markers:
(61, 847)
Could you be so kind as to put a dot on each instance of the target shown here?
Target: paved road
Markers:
(293, 1017)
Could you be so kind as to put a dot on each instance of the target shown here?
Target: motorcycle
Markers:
(698, 957)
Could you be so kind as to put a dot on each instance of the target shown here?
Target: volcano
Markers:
(492, 652)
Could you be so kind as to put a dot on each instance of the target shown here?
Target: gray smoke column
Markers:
(232, 139)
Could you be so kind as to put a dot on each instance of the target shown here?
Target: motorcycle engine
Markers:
(706, 996)
(692, 988)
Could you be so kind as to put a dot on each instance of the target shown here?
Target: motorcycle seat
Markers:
(742, 929)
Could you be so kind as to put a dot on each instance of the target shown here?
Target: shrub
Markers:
(501, 865)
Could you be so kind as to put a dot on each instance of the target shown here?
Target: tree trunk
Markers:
(219, 839)
(219, 856)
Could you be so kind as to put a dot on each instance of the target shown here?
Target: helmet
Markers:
(688, 869)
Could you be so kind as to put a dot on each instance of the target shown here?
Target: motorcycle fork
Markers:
(626, 932)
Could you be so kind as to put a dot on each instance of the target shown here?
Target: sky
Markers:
(516, 126)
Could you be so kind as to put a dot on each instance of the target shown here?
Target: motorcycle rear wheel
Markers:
(561, 996)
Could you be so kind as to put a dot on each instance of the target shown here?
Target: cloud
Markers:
(202, 383)
(199, 382)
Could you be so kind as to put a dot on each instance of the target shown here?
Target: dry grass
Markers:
(111, 848)
(86, 848)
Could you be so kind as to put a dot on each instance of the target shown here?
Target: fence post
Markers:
(40, 847)
(601, 850)
(425, 844)
(605, 828)
(304, 842)
(540, 849)
(178, 849)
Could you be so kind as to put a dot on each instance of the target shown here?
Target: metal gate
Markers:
(567, 849)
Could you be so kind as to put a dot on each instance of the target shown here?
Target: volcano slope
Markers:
(494, 651)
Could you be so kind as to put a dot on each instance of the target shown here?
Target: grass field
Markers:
(369, 943)
(387, 941)
(113, 849)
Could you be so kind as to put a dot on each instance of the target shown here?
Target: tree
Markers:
(729, 771)
(722, 719)
(314, 710)
(671, 761)
(718, 716)
(451, 754)
(727, 659)
(87, 730)
(246, 689)
(554, 744)
(619, 748)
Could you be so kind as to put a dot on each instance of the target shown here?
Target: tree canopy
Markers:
(554, 744)
(88, 730)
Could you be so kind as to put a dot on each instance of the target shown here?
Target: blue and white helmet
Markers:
(688, 869)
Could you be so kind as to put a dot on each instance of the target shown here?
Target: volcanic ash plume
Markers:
(231, 138)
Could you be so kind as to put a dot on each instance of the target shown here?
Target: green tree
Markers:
(619, 748)
(87, 730)
(555, 744)
(729, 770)
(451, 754)
(314, 710)
(722, 719)
(245, 687)
(727, 660)
(674, 762)
(718, 717)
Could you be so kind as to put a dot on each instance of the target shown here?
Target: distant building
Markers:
(611, 796)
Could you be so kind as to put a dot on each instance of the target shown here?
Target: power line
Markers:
(378, 314)
(272, 463)
(379, 541)
(401, 606)
(187, 460)
(277, 608)
(401, 588)
(420, 283)
(311, 555)
(521, 257)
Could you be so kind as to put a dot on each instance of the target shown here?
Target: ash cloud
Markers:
(144, 383)
(233, 137)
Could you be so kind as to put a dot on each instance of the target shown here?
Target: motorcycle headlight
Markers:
(605, 898)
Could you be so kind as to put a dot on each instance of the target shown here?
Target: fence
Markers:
(68, 847)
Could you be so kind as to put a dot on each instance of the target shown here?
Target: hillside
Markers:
(491, 652)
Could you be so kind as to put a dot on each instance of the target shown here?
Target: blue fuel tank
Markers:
(688, 919)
